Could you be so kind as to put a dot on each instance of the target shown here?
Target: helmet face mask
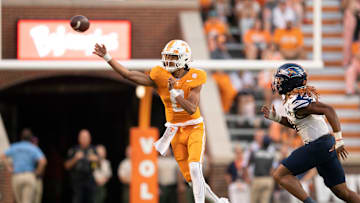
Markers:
(176, 55)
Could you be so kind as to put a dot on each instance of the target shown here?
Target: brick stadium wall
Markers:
(151, 27)
(5, 186)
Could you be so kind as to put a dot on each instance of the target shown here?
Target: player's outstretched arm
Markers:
(134, 76)
(330, 114)
(272, 115)
(191, 103)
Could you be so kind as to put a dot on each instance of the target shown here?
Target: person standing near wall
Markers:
(82, 161)
(28, 162)
(102, 174)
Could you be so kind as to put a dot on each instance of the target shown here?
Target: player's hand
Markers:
(341, 152)
(99, 50)
(171, 83)
(267, 111)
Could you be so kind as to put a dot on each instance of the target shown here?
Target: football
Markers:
(79, 23)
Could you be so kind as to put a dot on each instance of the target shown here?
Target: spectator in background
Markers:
(291, 41)
(244, 83)
(124, 174)
(205, 6)
(254, 146)
(256, 40)
(298, 8)
(272, 52)
(168, 178)
(282, 14)
(246, 11)
(263, 160)
(102, 174)
(223, 10)
(237, 179)
(246, 106)
(28, 162)
(82, 161)
(267, 14)
(39, 181)
(216, 34)
(219, 49)
(227, 91)
(351, 28)
(354, 69)
(242, 80)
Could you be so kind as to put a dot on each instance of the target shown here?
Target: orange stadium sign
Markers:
(56, 40)
(144, 185)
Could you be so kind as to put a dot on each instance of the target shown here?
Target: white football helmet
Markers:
(177, 48)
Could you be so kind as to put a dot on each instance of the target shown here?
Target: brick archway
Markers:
(101, 101)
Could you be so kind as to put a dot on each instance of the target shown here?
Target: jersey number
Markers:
(174, 104)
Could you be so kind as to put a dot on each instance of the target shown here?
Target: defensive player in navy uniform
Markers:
(306, 115)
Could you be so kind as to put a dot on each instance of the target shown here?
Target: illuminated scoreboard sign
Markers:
(56, 40)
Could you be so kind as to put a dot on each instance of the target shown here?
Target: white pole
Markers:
(317, 41)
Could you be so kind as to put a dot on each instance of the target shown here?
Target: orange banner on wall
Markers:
(56, 40)
(144, 177)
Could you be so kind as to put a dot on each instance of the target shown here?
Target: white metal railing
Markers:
(147, 64)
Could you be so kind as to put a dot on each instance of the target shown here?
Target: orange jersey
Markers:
(289, 39)
(216, 26)
(227, 91)
(173, 110)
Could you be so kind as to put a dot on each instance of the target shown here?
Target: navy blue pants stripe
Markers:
(316, 154)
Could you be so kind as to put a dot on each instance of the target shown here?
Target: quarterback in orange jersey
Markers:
(179, 87)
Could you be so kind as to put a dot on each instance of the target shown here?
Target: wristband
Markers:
(276, 117)
(338, 139)
(107, 57)
(174, 93)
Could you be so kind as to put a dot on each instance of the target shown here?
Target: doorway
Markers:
(56, 108)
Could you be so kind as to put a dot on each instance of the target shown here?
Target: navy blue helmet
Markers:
(288, 77)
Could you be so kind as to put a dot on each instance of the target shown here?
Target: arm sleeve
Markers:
(301, 102)
(38, 154)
